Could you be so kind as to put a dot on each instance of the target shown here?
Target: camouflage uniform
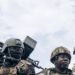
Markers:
(22, 67)
(60, 57)
(27, 68)
(11, 43)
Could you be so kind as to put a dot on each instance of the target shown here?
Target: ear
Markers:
(55, 59)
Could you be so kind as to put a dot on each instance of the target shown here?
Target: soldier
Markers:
(61, 58)
(12, 49)
(13, 65)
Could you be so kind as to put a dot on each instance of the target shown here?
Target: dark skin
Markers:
(62, 62)
(13, 55)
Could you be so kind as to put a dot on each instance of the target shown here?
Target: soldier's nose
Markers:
(66, 60)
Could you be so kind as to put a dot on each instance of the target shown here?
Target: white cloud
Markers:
(50, 22)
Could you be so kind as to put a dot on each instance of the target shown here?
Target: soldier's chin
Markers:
(64, 66)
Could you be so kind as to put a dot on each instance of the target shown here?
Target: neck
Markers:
(61, 70)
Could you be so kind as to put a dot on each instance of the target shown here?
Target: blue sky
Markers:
(50, 22)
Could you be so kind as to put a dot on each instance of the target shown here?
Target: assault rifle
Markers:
(35, 63)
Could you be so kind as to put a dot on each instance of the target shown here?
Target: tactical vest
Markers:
(22, 65)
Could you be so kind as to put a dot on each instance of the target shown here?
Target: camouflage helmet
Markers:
(58, 51)
(12, 42)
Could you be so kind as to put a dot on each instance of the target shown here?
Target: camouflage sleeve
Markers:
(29, 71)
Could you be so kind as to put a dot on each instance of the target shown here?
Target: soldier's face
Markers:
(15, 52)
(62, 61)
